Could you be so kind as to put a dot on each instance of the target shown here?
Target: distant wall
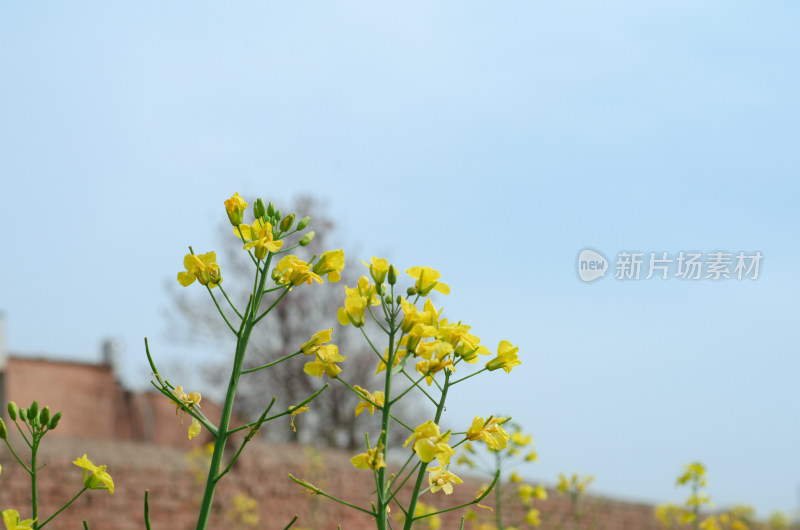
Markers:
(262, 473)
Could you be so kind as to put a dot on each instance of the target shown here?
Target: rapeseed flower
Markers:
(532, 517)
(203, 268)
(235, 207)
(429, 443)
(293, 270)
(330, 263)
(317, 340)
(491, 432)
(259, 236)
(368, 401)
(506, 357)
(441, 479)
(12, 521)
(194, 428)
(377, 269)
(327, 355)
(427, 280)
(372, 459)
(95, 477)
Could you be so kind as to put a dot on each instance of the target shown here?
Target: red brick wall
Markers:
(262, 473)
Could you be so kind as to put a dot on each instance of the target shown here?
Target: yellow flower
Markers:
(377, 269)
(368, 401)
(194, 428)
(441, 479)
(327, 355)
(356, 301)
(294, 412)
(201, 267)
(515, 478)
(11, 518)
(526, 492)
(330, 263)
(192, 399)
(293, 270)
(710, 523)
(429, 443)
(235, 207)
(317, 339)
(427, 280)
(259, 236)
(95, 477)
(520, 439)
(372, 459)
(506, 357)
(531, 457)
(532, 517)
(694, 472)
(440, 358)
(489, 431)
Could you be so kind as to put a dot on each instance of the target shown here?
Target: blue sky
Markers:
(490, 141)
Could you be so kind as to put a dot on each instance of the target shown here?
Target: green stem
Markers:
(34, 488)
(412, 505)
(285, 358)
(63, 507)
(383, 499)
(284, 293)
(16, 457)
(498, 494)
(248, 322)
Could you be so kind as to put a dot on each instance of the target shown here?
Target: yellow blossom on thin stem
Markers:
(377, 269)
(293, 270)
(95, 477)
(203, 268)
(368, 401)
(427, 280)
(294, 412)
(330, 263)
(372, 459)
(259, 237)
(491, 432)
(441, 479)
(13, 522)
(235, 207)
(327, 355)
(188, 400)
(506, 357)
(317, 339)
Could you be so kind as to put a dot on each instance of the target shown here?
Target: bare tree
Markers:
(307, 309)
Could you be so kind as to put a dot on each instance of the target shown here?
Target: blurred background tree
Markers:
(331, 419)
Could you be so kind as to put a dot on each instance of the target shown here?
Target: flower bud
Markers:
(306, 239)
(235, 207)
(23, 414)
(3, 431)
(287, 222)
(259, 210)
(54, 421)
(411, 291)
(388, 300)
(33, 411)
(13, 410)
(398, 299)
(271, 209)
(44, 416)
(277, 215)
(303, 222)
(380, 290)
(392, 275)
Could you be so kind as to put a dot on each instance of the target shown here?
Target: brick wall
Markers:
(262, 473)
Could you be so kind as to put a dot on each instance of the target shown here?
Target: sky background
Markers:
(491, 141)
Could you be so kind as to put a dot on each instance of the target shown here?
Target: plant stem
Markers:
(412, 505)
(222, 432)
(498, 494)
